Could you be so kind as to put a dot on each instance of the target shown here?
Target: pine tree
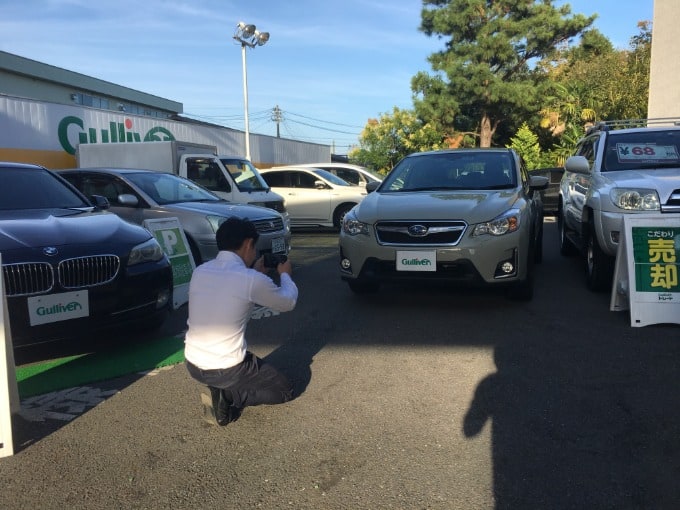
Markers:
(484, 74)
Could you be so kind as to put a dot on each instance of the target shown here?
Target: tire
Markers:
(599, 265)
(340, 213)
(566, 247)
(363, 287)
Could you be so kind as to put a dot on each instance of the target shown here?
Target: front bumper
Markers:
(480, 260)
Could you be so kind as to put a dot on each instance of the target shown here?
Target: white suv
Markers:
(615, 172)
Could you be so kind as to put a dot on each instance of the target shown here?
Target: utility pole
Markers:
(277, 116)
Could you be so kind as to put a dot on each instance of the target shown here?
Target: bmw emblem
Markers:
(50, 251)
(417, 230)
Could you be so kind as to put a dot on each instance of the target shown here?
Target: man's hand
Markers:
(285, 267)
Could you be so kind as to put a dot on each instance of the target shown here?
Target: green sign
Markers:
(656, 255)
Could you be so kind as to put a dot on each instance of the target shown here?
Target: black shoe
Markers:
(217, 409)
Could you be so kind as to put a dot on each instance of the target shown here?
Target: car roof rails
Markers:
(606, 125)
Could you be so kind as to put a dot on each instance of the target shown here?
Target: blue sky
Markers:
(329, 65)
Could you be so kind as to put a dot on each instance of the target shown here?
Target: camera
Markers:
(272, 260)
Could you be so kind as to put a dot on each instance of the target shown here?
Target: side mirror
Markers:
(372, 186)
(128, 199)
(538, 182)
(100, 202)
(320, 185)
(577, 164)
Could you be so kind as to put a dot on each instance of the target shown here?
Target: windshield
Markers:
(29, 188)
(333, 179)
(642, 149)
(245, 175)
(452, 171)
(170, 189)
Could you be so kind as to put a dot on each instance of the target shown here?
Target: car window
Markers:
(168, 189)
(22, 188)
(642, 149)
(588, 148)
(452, 170)
(277, 179)
(204, 171)
(245, 175)
(303, 180)
(105, 185)
(333, 179)
(348, 175)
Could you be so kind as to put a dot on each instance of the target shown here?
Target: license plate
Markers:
(279, 245)
(417, 260)
(58, 307)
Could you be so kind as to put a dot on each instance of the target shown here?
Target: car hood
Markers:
(59, 227)
(471, 206)
(251, 212)
(664, 180)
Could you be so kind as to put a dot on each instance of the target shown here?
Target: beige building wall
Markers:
(664, 76)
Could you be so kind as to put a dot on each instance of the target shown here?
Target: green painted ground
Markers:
(71, 371)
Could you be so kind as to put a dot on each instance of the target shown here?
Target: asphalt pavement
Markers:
(414, 398)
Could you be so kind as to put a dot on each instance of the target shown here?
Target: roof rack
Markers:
(607, 125)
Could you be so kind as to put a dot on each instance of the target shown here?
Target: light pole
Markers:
(249, 37)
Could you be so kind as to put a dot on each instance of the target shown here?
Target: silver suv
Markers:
(615, 172)
(468, 216)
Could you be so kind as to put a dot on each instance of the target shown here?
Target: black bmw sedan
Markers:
(71, 268)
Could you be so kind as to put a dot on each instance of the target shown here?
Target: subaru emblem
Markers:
(50, 251)
(417, 230)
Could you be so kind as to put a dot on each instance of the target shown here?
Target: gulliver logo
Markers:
(118, 132)
(59, 308)
(416, 262)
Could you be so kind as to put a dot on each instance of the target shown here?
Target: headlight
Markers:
(352, 226)
(504, 224)
(148, 251)
(215, 222)
(635, 199)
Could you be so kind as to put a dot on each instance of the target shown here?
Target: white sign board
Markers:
(169, 234)
(646, 272)
(9, 392)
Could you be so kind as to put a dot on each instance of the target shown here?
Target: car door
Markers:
(578, 185)
(305, 201)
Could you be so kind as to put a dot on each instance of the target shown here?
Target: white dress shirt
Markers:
(222, 295)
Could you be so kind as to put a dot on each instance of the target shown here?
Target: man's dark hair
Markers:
(233, 231)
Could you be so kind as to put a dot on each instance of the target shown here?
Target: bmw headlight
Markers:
(503, 224)
(148, 251)
(632, 199)
(352, 226)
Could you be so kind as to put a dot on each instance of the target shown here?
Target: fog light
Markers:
(345, 264)
(507, 267)
(162, 299)
(615, 236)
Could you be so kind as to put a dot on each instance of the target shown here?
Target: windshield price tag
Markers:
(634, 152)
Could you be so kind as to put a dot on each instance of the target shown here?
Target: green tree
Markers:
(525, 143)
(385, 141)
(486, 72)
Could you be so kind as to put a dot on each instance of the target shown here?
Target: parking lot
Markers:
(413, 398)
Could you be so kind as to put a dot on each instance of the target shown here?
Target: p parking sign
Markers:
(169, 234)
(647, 266)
